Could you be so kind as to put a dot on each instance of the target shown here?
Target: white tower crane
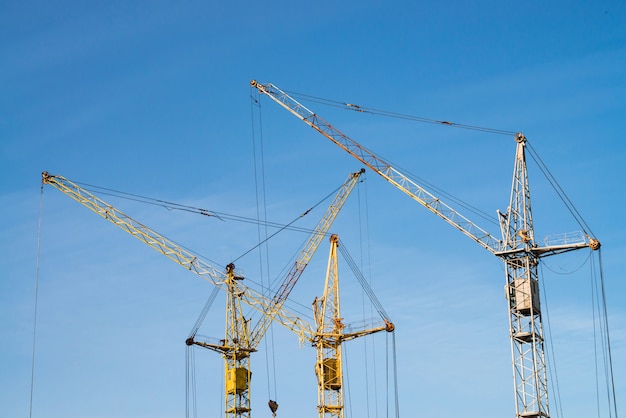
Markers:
(517, 248)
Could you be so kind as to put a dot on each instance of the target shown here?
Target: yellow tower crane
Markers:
(330, 333)
(240, 338)
(517, 248)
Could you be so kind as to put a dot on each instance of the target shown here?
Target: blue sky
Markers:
(153, 98)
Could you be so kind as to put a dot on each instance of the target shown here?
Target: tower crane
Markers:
(330, 333)
(517, 249)
(241, 339)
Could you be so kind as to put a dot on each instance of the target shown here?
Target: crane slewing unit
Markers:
(517, 248)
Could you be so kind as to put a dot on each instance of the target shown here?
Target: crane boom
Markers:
(305, 256)
(175, 252)
(383, 168)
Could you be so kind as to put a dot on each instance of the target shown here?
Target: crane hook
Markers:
(273, 407)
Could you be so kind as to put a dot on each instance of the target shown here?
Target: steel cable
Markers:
(380, 112)
(38, 263)
(559, 190)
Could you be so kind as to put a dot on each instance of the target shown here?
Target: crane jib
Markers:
(383, 168)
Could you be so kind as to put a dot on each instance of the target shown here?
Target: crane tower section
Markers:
(525, 324)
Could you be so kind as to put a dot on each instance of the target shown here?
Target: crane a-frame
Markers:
(240, 339)
(517, 248)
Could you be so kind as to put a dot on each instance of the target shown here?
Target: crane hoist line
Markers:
(517, 248)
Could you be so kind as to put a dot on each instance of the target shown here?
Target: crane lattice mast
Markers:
(329, 329)
(528, 359)
(517, 249)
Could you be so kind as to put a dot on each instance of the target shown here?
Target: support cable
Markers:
(364, 224)
(552, 367)
(169, 205)
(261, 200)
(363, 109)
(269, 346)
(172, 206)
(363, 308)
(373, 111)
(395, 375)
(570, 271)
(594, 297)
(204, 311)
(289, 224)
(32, 370)
(418, 180)
(367, 373)
(191, 409)
(558, 189)
(448, 196)
(190, 386)
(609, 360)
(363, 282)
(387, 376)
(347, 395)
